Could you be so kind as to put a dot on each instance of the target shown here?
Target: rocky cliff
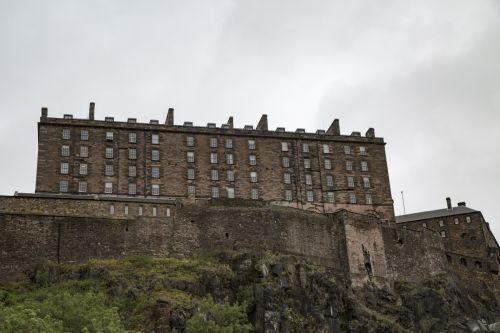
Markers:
(231, 291)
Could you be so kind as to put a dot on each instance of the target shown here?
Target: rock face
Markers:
(278, 293)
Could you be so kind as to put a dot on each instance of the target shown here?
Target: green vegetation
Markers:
(113, 295)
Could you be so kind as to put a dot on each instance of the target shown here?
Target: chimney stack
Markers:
(370, 133)
(170, 117)
(230, 122)
(45, 113)
(461, 204)
(334, 128)
(448, 203)
(91, 110)
(262, 125)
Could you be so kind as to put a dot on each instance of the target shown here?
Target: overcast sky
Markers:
(425, 74)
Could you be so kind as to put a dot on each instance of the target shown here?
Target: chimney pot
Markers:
(448, 203)
(461, 204)
(230, 122)
(91, 110)
(45, 112)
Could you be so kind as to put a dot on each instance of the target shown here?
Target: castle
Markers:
(109, 189)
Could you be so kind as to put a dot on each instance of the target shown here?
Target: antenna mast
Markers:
(403, 197)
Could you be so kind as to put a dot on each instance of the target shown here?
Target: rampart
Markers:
(357, 248)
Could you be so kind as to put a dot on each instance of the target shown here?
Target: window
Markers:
(230, 193)
(305, 147)
(108, 171)
(229, 158)
(310, 196)
(190, 157)
(329, 180)
(64, 168)
(308, 179)
(112, 209)
(155, 155)
(251, 144)
(191, 189)
(168, 212)
(132, 189)
(424, 225)
(364, 166)
(284, 146)
(83, 169)
(155, 189)
(288, 195)
(368, 199)
(350, 181)
(252, 160)
(109, 136)
(443, 233)
(366, 182)
(307, 163)
(63, 186)
(108, 187)
(84, 151)
(330, 197)
(153, 211)
(82, 187)
(286, 162)
(189, 141)
(441, 223)
(125, 210)
(190, 173)
(254, 194)
(215, 175)
(84, 135)
(213, 158)
(66, 134)
(456, 220)
(155, 139)
(468, 219)
(352, 198)
(229, 143)
(287, 178)
(362, 150)
(139, 212)
(155, 172)
(132, 138)
(347, 150)
(65, 151)
(132, 171)
(215, 192)
(253, 177)
(328, 164)
(348, 165)
(213, 142)
(132, 153)
(326, 149)
(230, 175)
(109, 152)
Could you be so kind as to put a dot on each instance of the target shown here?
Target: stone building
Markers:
(468, 240)
(323, 171)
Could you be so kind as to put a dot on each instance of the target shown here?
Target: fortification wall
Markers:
(413, 254)
(356, 247)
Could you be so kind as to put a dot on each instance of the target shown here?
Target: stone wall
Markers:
(357, 247)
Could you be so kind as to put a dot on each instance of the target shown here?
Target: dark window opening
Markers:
(463, 262)
(368, 268)
(126, 228)
(227, 235)
(192, 221)
(448, 257)
(400, 241)
(463, 235)
(478, 264)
